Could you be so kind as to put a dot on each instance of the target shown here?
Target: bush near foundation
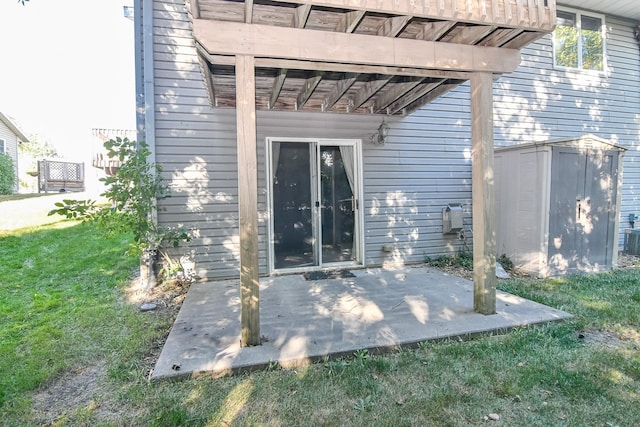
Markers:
(7, 175)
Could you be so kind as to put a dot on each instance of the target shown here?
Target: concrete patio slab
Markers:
(305, 320)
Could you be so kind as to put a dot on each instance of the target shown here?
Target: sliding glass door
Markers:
(315, 203)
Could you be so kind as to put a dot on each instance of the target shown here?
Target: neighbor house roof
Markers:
(14, 127)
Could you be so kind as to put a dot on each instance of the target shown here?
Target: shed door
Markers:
(582, 216)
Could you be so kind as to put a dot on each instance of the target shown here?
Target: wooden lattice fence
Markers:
(60, 176)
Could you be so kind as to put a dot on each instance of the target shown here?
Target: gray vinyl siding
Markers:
(10, 148)
(424, 166)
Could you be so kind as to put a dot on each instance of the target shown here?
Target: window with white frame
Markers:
(3, 148)
(578, 41)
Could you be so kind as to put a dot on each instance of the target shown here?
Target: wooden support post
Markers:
(248, 199)
(482, 175)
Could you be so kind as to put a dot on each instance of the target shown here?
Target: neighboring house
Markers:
(10, 137)
(361, 143)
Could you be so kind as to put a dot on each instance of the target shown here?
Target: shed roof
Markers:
(361, 56)
(583, 141)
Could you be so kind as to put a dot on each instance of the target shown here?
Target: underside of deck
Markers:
(367, 57)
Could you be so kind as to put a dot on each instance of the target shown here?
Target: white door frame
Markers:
(358, 244)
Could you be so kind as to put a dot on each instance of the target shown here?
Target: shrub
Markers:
(7, 174)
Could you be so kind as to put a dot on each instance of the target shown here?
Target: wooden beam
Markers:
(483, 200)
(248, 200)
(232, 38)
(293, 64)
(248, 11)
(308, 88)
(277, 87)
(339, 90)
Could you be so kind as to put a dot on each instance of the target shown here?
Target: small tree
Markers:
(7, 174)
(133, 192)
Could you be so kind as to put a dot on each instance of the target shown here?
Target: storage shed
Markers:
(558, 205)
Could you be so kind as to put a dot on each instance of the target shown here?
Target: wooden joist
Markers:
(393, 94)
(307, 89)
(339, 90)
(367, 91)
(277, 87)
(418, 92)
(350, 21)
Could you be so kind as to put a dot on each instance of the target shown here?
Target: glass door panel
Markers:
(293, 212)
(314, 204)
(337, 203)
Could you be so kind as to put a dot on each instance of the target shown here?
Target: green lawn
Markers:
(74, 351)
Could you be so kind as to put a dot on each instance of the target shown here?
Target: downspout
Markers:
(139, 70)
(148, 102)
(145, 110)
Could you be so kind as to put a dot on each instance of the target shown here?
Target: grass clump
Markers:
(462, 259)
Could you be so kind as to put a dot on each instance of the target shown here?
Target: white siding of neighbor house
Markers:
(424, 166)
(10, 147)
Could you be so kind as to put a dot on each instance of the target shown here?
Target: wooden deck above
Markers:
(361, 56)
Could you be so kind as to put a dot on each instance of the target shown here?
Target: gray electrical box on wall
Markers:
(452, 218)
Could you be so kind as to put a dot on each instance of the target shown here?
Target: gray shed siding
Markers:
(11, 148)
(425, 165)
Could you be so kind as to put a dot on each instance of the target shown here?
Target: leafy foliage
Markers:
(36, 149)
(7, 174)
(463, 259)
(133, 192)
(505, 261)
